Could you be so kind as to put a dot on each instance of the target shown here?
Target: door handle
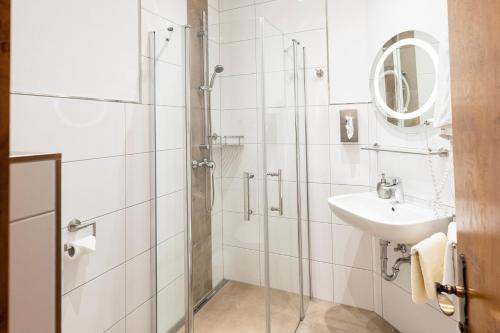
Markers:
(280, 191)
(247, 211)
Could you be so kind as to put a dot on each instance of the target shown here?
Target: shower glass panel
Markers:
(285, 166)
(241, 264)
(166, 93)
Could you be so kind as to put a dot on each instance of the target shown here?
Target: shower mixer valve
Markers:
(205, 163)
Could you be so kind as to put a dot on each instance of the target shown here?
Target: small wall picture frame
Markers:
(349, 126)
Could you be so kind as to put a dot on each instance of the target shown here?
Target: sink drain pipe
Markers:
(395, 268)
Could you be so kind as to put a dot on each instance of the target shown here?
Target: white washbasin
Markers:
(406, 222)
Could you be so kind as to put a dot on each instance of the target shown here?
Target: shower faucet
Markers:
(205, 163)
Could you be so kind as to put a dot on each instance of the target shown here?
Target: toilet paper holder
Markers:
(75, 225)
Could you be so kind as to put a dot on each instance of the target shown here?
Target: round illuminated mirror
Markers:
(404, 78)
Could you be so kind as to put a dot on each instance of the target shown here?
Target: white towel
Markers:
(427, 267)
(442, 106)
(449, 256)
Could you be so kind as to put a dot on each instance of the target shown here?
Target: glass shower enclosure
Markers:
(231, 208)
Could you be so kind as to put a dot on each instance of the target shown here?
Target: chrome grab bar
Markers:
(280, 191)
(246, 195)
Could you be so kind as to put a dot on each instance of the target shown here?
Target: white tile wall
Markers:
(353, 286)
(110, 251)
(78, 129)
(96, 306)
(107, 149)
(140, 280)
(86, 196)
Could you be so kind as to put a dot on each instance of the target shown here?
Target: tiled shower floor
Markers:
(239, 308)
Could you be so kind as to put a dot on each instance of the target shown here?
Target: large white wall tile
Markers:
(318, 125)
(173, 10)
(238, 57)
(169, 91)
(139, 280)
(119, 327)
(139, 128)
(350, 165)
(78, 129)
(231, 4)
(101, 48)
(319, 164)
(321, 241)
(232, 194)
(241, 265)
(236, 160)
(319, 210)
(110, 251)
(139, 321)
(240, 122)
(139, 228)
(353, 287)
(170, 170)
(217, 249)
(139, 183)
(300, 15)
(351, 247)
(237, 24)
(171, 305)
(280, 125)
(240, 233)
(97, 305)
(169, 51)
(171, 214)
(170, 260)
(238, 92)
(283, 236)
(92, 188)
(315, 42)
(170, 128)
(347, 39)
(322, 280)
(283, 273)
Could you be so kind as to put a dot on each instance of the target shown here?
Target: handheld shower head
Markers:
(217, 70)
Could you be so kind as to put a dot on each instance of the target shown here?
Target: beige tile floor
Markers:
(239, 308)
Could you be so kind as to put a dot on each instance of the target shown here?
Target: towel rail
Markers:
(441, 152)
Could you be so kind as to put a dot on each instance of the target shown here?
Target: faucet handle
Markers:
(383, 180)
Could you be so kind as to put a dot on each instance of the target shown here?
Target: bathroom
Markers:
(249, 166)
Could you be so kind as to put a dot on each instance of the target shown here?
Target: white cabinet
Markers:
(34, 245)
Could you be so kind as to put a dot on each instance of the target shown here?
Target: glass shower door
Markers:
(285, 185)
(166, 95)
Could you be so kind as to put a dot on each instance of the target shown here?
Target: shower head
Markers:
(217, 70)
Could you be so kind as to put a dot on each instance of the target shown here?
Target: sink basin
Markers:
(406, 222)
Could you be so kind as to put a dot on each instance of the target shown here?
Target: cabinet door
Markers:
(32, 275)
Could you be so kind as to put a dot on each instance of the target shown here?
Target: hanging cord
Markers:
(438, 186)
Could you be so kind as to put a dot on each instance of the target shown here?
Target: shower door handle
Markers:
(246, 195)
(278, 209)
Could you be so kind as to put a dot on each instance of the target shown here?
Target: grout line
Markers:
(94, 278)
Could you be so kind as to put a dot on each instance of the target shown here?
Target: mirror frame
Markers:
(380, 102)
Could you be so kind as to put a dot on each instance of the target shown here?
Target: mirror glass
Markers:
(404, 78)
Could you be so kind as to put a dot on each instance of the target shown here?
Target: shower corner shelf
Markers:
(441, 152)
(230, 141)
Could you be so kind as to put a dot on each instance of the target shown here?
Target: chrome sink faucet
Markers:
(390, 188)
